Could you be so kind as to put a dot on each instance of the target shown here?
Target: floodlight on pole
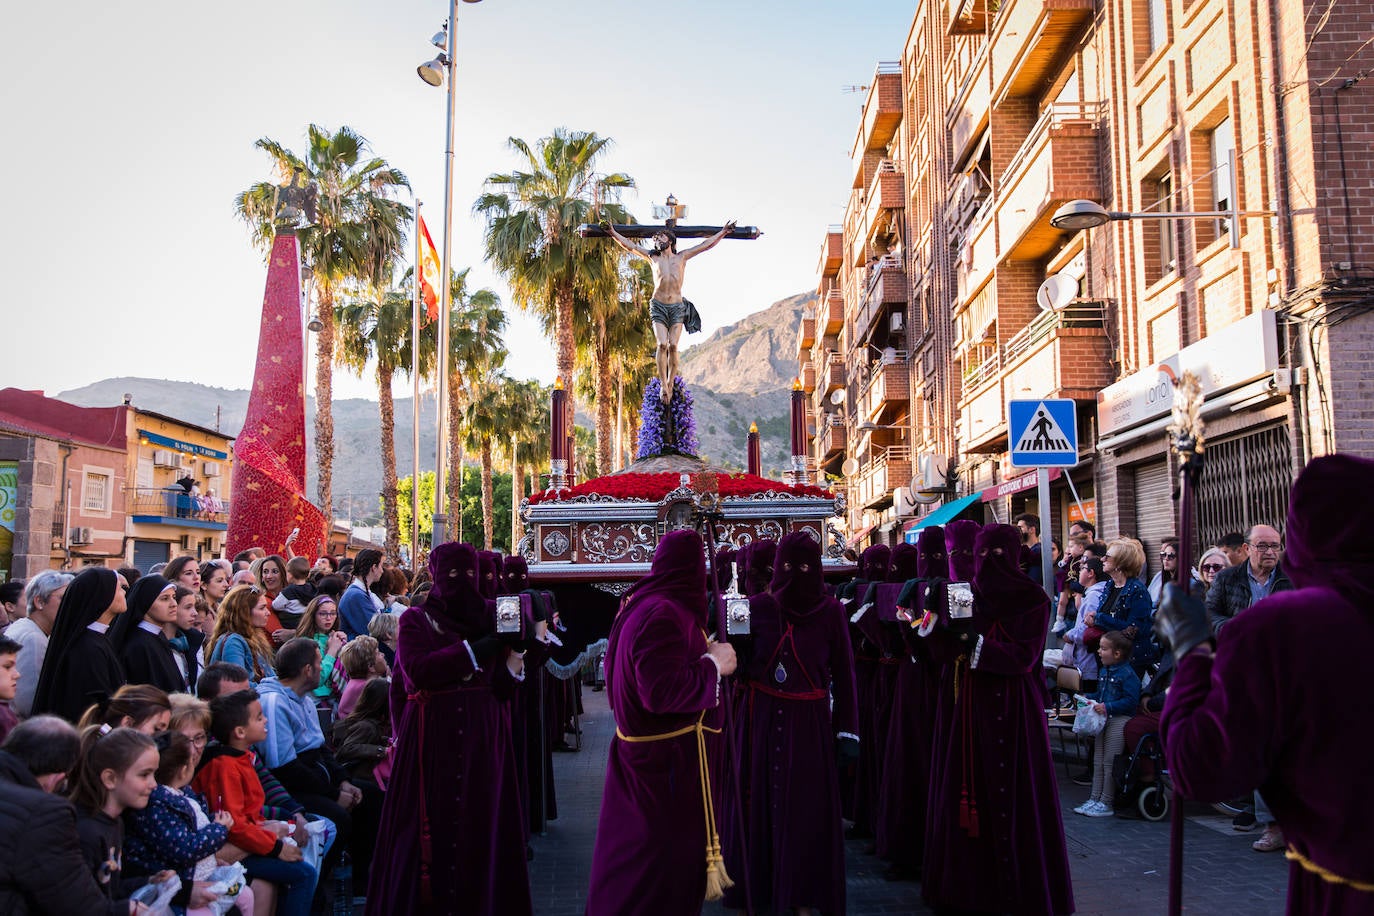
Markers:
(1086, 214)
(432, 71)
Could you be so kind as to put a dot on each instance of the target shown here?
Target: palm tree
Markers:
(357, 218)
(531, 217)
(525, 420)
(475, 349)
(381, 327)
(482, 427)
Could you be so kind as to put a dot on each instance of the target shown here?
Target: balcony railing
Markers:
(833, 439)
(1082, 314)
(834, 372)
(1063, 353)
(977, 374)
(832, 251)
(886, 286)
(886, 386)
(882, 110)
(1057, 162)
(806, 335)
(832, 312)
(888, 468)
(808, 377)
(173, 505)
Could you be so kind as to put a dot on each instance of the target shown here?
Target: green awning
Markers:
(941, 515)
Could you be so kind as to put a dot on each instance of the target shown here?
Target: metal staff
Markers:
(708, 514)
(1187, 444)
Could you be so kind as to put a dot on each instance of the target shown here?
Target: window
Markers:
(1159, 24)
(145, 473)
(95, 493)
(1221, 142)
(1161, 246)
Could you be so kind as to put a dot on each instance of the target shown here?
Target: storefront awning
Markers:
(941, 515)
(859, 535)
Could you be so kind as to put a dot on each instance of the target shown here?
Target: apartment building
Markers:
(998, 115)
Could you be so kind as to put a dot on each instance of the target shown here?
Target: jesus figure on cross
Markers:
(668, 311)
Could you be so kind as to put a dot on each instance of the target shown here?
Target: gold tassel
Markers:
(717, 881)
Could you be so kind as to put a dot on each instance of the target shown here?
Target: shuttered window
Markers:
(1155, 515)
(1245, 482)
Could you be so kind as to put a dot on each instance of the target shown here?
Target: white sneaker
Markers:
(1085, 807)
(1101, 809)
(1060, 626)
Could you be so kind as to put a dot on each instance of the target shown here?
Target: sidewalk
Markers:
(1120, 866)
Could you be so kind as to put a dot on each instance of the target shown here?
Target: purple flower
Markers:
(673, 432)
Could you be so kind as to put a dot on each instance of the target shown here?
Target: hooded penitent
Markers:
(874, 562)
(725, 564)
(489, 574)
(787, 732)
(930, 553)
(759, 572)
(452, 837)
(903, 564)
(653, 847)
(1282, 704)
(515, 575)
(1002, 588)
(960, 537)
(81, 666)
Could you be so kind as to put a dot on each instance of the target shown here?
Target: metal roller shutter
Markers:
(1154, 511)
(148, 554)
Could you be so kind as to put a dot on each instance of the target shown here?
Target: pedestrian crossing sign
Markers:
(1044, 433)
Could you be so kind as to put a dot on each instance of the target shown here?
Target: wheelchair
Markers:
(1151, 799)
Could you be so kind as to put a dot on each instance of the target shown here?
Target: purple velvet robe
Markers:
(454, 765)
(906, 753)
(1276, 709)
(995, 841)
(873, 563)
(650, 854)
(800, 660)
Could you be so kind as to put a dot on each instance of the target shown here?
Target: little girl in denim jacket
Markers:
(1117, 696)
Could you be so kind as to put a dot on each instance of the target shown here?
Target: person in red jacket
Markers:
(229, 782)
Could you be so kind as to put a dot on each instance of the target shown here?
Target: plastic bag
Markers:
(226, 881)
(316, 841)
(158, 897)
(1087, 720)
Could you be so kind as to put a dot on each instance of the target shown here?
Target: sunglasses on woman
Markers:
(1213, 567)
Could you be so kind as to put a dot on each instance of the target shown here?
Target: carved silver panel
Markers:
(620, 543)
(556, 543)
(613, 588)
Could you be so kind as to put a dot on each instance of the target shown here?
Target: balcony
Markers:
(173, 506)
(886, 286)
(982, 425)
(1031, 37)
(831, 311)
(887, 388)
(1058, 162)
(806, 335)
(1061, 354)
(833, 374)
(969, 109)
(970, 17)
(882, 111)
(808, 377)
(977, 256)
(888, 468)
(886, 193)
(833, 440)
(832, 254)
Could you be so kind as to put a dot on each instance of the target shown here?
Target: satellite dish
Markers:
(918, 493)
(837, 397)
(1057, 291)
(850, 467)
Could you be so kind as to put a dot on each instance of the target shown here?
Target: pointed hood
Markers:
(798, 580)
(1002, 588)
(930, 553)
(489, 574)
(759, 573)
(873, 563)
(1327, 541)
(725, 564)
(455, 596)
(960, 537)
(903, 565)
(515, 575)
(678, 575)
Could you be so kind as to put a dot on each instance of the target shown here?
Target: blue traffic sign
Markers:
(1043, 433)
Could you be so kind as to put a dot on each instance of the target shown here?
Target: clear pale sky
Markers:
(129, 128)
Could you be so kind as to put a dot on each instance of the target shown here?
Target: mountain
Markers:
(742, 373)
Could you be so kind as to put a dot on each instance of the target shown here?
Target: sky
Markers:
(129, 129)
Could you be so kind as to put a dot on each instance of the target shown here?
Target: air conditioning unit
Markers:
(903, 501)
(210, 468)
(166, 458)
(930, 471)
(897, 322)
(81, 536)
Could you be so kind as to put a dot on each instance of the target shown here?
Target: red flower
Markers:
(653, 487)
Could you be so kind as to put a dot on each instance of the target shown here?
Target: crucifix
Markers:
(668, 310)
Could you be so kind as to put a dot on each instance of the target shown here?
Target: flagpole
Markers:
(417, 287)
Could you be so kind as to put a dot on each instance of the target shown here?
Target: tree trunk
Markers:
(453, 484)
(387, 407)
(517, 493)
(567, 349)
(324, 404)
(603, 402)
(620, 420)
(487, 500)
(632, 421)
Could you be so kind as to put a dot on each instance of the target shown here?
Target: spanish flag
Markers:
(429, 272)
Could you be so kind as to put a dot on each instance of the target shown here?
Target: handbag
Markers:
(1092, 638)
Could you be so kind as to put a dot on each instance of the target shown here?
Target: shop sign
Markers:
(1015, 485)
(1240, 352)
(189, 448)
(1083, 512)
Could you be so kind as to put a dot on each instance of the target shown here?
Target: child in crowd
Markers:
(1093, 582)
(228, 780)
(142, 707)
(185, 636)
(114, 773)
(1117, 696)
(291, 602)
(384, 628)
(361, 660)
(362, 739)
(320, 622)
(173, 831)
(9, 683)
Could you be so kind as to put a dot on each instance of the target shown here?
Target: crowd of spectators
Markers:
(203, 737)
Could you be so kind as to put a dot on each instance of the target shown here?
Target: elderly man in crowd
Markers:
(1242, 585)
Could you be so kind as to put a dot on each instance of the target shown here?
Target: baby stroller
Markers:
(1151, 799)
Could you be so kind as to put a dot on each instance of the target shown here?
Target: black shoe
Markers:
(563, 747)
(1244, 822)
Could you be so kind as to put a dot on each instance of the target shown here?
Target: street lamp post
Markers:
(1085, 214)
(434, 73)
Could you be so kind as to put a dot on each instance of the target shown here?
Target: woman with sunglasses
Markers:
(320, 622)
(1169, 553)
(1212, 562)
